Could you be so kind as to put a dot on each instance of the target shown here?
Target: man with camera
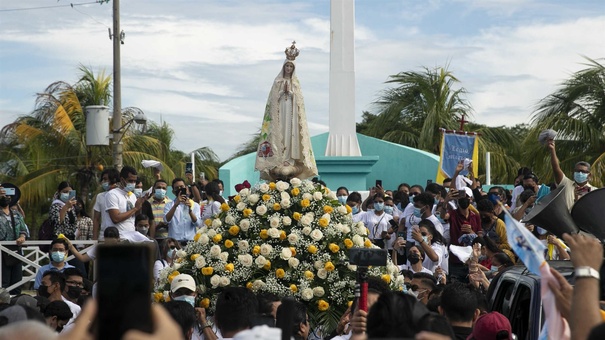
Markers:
(182, 214)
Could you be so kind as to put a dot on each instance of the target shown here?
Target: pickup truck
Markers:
(516, 294)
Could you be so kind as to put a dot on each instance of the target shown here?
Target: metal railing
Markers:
(32, 256)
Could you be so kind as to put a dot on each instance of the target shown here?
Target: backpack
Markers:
(46, 232)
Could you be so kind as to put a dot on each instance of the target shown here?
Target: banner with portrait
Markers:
(454, 148)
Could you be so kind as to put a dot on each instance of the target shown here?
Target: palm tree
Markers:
(577, 112)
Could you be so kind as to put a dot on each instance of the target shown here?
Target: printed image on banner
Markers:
(454, 149)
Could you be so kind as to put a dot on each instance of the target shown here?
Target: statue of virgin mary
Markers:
(284, 150)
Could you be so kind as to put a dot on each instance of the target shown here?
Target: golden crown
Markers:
(291, 52)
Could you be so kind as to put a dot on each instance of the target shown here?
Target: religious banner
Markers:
(456, 147)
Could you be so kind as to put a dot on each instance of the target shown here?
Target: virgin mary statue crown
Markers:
(291, 52)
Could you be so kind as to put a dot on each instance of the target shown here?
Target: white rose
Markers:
(224, 256)
(215, 280)
(216, 223)
(326, 216)
(211, 233)
(339, 227)
(286, 221)
(266, 249)
(240, 206)
(318, 264)
(352, 267)
(285, 196)
(244, 224)
(253, 198)
(243, 245)
(261, 210)
(176, 266)
(317, 235)
(286, 253)
(293, 262)
(203, 229)
(318, 291)
(230, 220)
(332, 195)
(307, 294)
(322, 273)
(295, 182)
(225, 281)
(293, 238)
(215, 251)
(260, 261)
(342, 210)
(264, 187)
(286, 203)
(317, 196)
(309, 185)
(200, 262)
(245, 260)
(273, 233)
(257, 284)
(306, 230)
(281, 186)
(399, 281)
(358, 240)
(346, 229)
(306, 220)
(274, 222)
(307, 196)
(181, 253)
(244, 192)
(204, 239)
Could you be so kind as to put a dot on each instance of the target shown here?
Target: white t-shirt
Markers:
(210, 209)
(441, 252)
(376, 224)
(75, 310)
(357, 217)
(123, 202)
(412, 220)
(409, 267)
(516, 192)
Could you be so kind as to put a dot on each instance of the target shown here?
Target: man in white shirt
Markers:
(52, 286)
(121, 203)
(100, 220)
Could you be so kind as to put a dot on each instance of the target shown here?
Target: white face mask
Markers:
(220, 193)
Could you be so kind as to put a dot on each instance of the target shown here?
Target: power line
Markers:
(72, 5)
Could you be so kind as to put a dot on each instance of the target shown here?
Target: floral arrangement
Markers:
(287, 238)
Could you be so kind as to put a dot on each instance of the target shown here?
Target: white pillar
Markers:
(488, 169)
(342, 140)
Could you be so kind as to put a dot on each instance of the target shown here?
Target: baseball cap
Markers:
(182, 281)
(491, 326)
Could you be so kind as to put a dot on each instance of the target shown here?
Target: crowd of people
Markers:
(444, 295)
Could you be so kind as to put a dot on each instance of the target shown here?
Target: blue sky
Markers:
(206, 66)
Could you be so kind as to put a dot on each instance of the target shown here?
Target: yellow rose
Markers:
(157, 297)
(295, 191)
(249, 285)
(349, 304)
(386, 278)
(276, 206)
(280, 273)
(349, 210)
(197, 237)
(61, 236)
(296, 216)
(266, 197)
(217, 238)
(293, 250)
(208, 222)
(267, 266)
(205, 303)
(367, 243)
(282, 235)
(247, 212)
(305, 203)
(194, 256)
(309, 275)
(328, 209)
(334, 247)
(175, 273)
(293, 288)
(348, 243)
(234, 230)
(323, 305)
(228, 244)
(329, 266)
(263, 234)
(225, 207)
(256, 250)
(312, 249)
(323, 222)
(229, 267)
(237, 198)
(272, 185)
(207, 271)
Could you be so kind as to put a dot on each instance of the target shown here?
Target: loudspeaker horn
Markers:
(551, 213)
(589, 213)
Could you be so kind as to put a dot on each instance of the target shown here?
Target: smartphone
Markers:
(379, 183)
(189, 168)
(393, 224)
(202, 176)
(123, 289)
(9, 191)
(182, 192)
(72, 195)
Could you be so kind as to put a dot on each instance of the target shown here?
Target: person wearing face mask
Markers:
(100, 219)
(168, 250)
(213, 207)
(414, 261)
(527, 199)
(421, 209)
(377, 222)
(74, 282)
(62, 213)
(121, 204)
(158, 203)
(141, 223)
(58, 254)
(12, 228)
(51, 287)
(431, 242)
(573, 189)
(83, 222)
(354, 202)
(342, 194)
(182, 214)
(57, 315)
(493, 227)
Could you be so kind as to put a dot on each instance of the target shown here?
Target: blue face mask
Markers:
(580, 177)
(494, 269)
(417, 212)
(129, 187)
(160, 193)
(138, 192)
(170, 253)
(436, 200)
(105, 186)
(186, 298)
(378, 206)
(388, 209)
(64, 197)
(57, 256)
(342, 199)
(355, 210)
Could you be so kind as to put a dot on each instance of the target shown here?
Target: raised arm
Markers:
(554, 162)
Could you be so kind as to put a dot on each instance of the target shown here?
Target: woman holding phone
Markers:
(62, 213)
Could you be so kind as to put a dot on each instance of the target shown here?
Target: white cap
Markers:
(468, 191)
(182, 281)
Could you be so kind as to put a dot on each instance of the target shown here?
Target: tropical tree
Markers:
(577, 112)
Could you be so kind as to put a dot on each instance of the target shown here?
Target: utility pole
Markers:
(117, 89)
